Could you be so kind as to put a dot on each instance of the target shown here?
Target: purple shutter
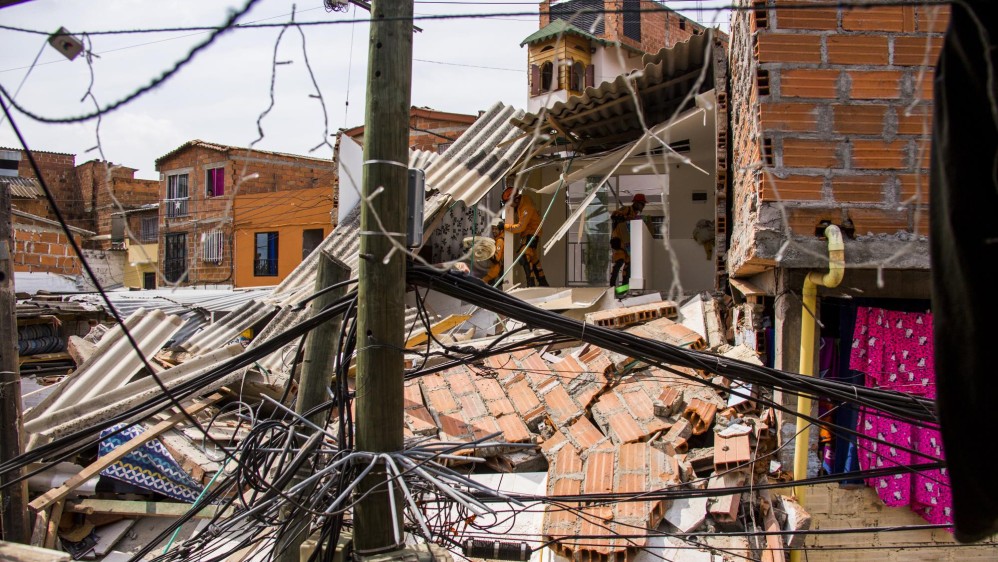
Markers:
(535, 80)
(590, 76)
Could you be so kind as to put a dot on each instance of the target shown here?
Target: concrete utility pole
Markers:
(381, 289)
(14, 499)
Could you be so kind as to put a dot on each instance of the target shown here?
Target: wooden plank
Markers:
(42, 357)
(48, 498)
(438, 328)
(25, 553)
(131, 508)
(55, 516)
(41, 528)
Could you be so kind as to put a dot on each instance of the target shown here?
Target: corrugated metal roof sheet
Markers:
(28, 188)
(608, 115)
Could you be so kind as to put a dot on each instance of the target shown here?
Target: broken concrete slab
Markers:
(687, 514)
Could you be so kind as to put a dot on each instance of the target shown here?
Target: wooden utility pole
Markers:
(14, 499)
(313, 386)
(381, 289)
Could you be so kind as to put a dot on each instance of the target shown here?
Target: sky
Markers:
(461, 64)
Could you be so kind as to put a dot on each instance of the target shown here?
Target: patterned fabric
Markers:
(460, 222)
(895, 351)
(150, 466)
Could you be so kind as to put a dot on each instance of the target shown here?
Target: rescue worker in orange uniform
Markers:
(495, 269)
(620, 221)
(526, 222)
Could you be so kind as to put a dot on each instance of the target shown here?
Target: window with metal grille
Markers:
(150, 229)
(211, 246)
(175, 262)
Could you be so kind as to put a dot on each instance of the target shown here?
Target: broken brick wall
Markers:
(832, 118)
(59, 173)
(42, 247)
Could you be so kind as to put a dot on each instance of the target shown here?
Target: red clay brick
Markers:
(791, 188)
(489, 389)
(809, 83)
(473, 407)
(632, 483)
(917, 50)
(915, 121)
(557, 438)
(524, 399)
(887, 18)
(568, 461)
(441, 400)
(585, 396)
(852, 49)
(483, 427)
(807, 153)
(585, 433)
(639, 404)
(817, 17)
(513, 429)
(568, 369)
(624, 428)
(633, 457)
(560, 405)
(500, 407)
(412, 395)
(802, 220)
(599, 472)
(455, 427)
(432, 382)
(914, 187)
(460, 381)
(878, 155)
(859, 189)
(859, 119)
(924, 86)
(879, 221)
(537, 370)
(932, 19)
(875, 84)
(799, 117)
(788, 48)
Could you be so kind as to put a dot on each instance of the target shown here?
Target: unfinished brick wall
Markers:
(107, 188)
(832, 118)
(40, 247)
(249, 172)
(433, 130)
(59, 173)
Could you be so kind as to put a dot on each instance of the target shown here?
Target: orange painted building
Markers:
(274, 231)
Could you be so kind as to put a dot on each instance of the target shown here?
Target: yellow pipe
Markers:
(836, 269)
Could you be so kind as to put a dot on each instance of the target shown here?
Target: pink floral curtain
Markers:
(894, 350)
